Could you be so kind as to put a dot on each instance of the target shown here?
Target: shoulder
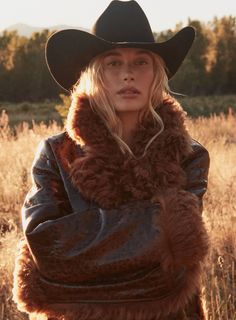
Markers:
(49, 144)
(199, 150)
(57, 145)
(198, 158)
(61, 148)
(58, 138)
(56, 141)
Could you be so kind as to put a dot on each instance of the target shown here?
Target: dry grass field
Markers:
(216, 133)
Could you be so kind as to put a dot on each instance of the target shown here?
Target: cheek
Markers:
(111, 75)
(151, 77)
(110, 85)
(110, 81)
(148, 81)
(106, 80)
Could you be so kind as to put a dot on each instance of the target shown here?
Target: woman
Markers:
(112, 224)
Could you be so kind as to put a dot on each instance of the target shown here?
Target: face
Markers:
(128, 75)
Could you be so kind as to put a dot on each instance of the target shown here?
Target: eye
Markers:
(142, 61)
(113, 63)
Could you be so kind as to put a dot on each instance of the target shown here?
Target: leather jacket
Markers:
(82, 250)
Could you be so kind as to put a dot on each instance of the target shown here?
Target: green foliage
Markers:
(63, 107)
(192, 77)
(24, 74)
(206, 106)
(210, 66)
(224, 69)
(31, 112)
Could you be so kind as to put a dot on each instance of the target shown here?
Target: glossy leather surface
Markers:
(75, 244)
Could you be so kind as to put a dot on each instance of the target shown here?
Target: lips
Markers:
(129, 91)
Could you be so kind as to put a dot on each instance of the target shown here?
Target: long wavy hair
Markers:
(92, 85)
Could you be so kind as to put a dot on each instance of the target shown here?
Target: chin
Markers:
(129, 108)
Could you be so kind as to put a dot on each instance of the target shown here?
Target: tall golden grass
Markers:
(216, 133)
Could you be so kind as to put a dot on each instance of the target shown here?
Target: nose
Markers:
(128, 73)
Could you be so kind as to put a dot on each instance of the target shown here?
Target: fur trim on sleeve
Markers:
(183, 237)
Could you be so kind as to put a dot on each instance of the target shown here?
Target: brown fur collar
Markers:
(108, 177)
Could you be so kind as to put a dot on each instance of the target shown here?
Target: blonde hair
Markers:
(92, 85)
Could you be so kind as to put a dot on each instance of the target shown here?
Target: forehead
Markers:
(127, 51)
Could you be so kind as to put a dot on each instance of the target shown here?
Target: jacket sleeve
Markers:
(73, 247)
(47, 199)
(196, 167)
(183, 237)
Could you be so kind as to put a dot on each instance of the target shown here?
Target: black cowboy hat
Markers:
(123, 24)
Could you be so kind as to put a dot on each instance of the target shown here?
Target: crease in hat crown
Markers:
(135, 25)
(122, 24)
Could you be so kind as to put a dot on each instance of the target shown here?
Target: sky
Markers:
(162, 14)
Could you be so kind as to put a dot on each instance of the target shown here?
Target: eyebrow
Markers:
(118, 54)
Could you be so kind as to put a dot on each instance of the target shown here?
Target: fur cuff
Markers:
(183, 237)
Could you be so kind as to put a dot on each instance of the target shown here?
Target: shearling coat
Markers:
(111, 237)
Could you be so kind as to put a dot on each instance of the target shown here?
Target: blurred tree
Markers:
(164, 35)
(8, 46)
(9, 43)
(192, 77)
(63, 107)
(223, 71)
(32, 77)
(23, 71)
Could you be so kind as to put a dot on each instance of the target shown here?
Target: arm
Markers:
(183, 237)
(89, 245)
(47, 199)
(196, 167)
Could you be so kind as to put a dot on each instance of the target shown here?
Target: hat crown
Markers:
(122, 24)
(123, 21)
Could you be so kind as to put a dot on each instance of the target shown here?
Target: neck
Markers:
(129, 122)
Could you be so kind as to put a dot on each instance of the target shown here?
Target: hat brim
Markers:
(69, 51)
